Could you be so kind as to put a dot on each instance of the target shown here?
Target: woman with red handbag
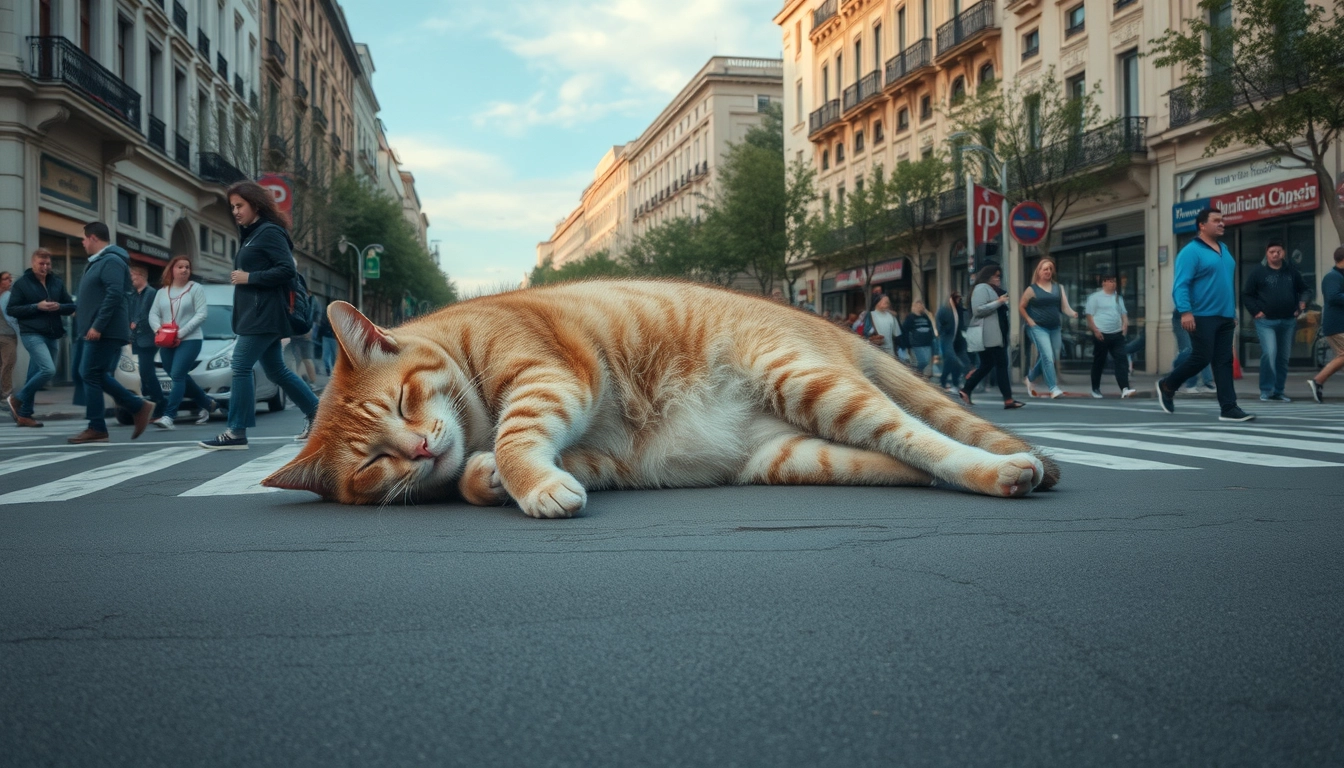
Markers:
(178, 312)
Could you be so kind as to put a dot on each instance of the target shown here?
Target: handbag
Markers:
(975, 338)
(166, 336)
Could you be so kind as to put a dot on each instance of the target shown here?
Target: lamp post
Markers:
(344, 245)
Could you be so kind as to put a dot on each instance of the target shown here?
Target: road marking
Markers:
(97, 479)
(247, 478)
(1316, 433)
(1236, 457)
(35, 460)
(1106, 461)
(144, 444)
(1249, 441)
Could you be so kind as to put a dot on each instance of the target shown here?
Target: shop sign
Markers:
(280, 189)
(66, 182)
(1267, 201)
(1077, 235)
(140, 246)
(986, 214)
(848, 279)
(888, 271)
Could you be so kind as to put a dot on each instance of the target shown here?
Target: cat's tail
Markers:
(932, 405)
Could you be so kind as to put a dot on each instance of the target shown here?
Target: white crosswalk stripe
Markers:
(1217, 454)
(97, 479)
(38, 460)
(247, 478)
(1256, 441)
(1107, 461)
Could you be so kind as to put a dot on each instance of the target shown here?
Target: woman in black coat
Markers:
(263, 269)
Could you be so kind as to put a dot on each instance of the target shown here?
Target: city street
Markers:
(1175, 601)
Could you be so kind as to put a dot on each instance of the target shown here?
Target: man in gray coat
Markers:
(102, 319)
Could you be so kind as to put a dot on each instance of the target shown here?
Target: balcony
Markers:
(238, 87)
(335, 144)
(222, 66)
(864, 90)
(319, 119)
(300, 90)
(1110, 143)
(951, 202)
(181, 150)
(203, 44)
(827, 115)
(965, 26)
(56, 59)
(252, 101)
(825, 13)
(278, 146)
(180, 17)
(914, 58)
(215, 168)
(158, 134)
(275, 54)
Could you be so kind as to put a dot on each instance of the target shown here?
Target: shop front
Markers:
(68, 199)
(844, 292)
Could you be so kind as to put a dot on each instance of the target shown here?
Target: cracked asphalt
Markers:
(1128, 618)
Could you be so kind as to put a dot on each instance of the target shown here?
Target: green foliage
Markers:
(599, 264)
(912, 192)
(1266, 73)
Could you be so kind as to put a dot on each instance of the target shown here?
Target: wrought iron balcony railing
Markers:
(828, 114)
(1120, 138)
(967, 24)
(825, 13)
(300, 90)
(862, 91)
(238, 87)
(158, 134)
(951, 202)
(203, 44)
(274, 50)
(319, 118)
(58, 59)
(181, 150)
(917, 56)
(222, 66)
(278, 145)
(253, 101)
(215, 168)
(180, 17)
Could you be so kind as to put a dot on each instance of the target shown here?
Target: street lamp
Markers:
(344, 245)
(959, 136)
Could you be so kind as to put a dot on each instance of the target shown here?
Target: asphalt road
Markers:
(1159, 608)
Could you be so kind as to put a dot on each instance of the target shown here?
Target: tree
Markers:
(597, 264)
(858, 233)
(751, 208)
(913, 190)
(1058, 150)
(800, 224)
(1267, 73)
(684, 248)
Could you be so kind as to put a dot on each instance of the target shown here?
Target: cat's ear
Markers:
(359, 337)
(304, 473)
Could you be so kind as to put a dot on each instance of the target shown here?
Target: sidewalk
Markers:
(1079, 384)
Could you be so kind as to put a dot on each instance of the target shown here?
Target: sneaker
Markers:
(1097, 394)
(1317, 390)
(1190, 390)
(204, 416)
(307, 430)
(1264, 398)
(1164, 398)
(1235, 414)
(1281, 398)
(1209, 389)
(225, 442)
(1031, 389)
(163, 422)
(1127, 392)
(1056, 392)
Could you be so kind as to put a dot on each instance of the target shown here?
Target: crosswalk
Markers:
(33, 471)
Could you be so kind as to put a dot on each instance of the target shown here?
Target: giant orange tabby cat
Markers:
(543, 395)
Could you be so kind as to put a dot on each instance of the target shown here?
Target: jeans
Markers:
(1114, 345)
(149, 379)
(41, 367)
(1276, 345)
(1183, 348)
(992, 359)
(954, 364)
(96, 366)
(1210, 344)
(1048, 343)
(923, 356)
(9, 352)
(329, 345)
(177, 363)
(76, 368)
(247, 352)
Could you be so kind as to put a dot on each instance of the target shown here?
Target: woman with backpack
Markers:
(176, 316)
(264, 278)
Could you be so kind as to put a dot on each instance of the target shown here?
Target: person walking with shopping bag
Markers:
(177, 315)
(988, 334)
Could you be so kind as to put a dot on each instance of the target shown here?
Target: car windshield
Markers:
(218, 322)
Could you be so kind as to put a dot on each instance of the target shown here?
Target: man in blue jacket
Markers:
(1332, 324)
(1204, 291)
(102, 319)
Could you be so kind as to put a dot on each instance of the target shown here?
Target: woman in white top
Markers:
(882, 322)
(181, 301)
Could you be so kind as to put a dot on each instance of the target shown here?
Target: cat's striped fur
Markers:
(542, 395)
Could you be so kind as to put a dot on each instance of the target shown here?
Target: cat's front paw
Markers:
(559, 495)
(480, 483)
(1011, 476)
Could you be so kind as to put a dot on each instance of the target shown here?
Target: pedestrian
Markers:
(329, 343)
(1041, 307)
(989, 314)
(142, 338)
(263, 269)
(103, 321)
(1201, 382)
(1205, 293)
(300, 353)
(919, 335)
(1109, 322)
(1275, 294)
(9, 337)
(881, 326)
(951, 320)
(180, 303)
(1332, 324)
(37, 301)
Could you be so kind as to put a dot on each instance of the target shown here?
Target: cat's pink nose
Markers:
(422, 450)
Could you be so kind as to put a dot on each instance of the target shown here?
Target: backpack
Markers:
(300, 307)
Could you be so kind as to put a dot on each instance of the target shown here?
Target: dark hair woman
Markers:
(181, 302)
(263, 269)
(989, 312)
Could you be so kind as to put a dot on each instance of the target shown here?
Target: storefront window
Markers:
(1079, 271)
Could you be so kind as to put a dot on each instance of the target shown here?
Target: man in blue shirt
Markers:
(1204, 291)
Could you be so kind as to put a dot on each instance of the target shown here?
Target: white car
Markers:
(212, 371)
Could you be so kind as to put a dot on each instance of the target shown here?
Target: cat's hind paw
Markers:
(480, 483)
(560, 495)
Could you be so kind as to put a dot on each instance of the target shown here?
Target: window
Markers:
(1220, 39)
(825, 84)
(925, 108)
(900, 29)
(839, 152)
(205, 239)
(826, 202)
(858, 141)
(1074, 20)
(1031, 44)
(1129, 83)
(858, 184)
(986, 75)
(825, 159)
(1032, 106)
(858, 60)
(903, 120)
(1075, 87)
(126, 207)
(798, 35)
(798, 103)
(840, 194)
(762, 103)
(926, 153)
(125, 47)
(153, 219)
(958, 91)
(877, 46)
(877, 132)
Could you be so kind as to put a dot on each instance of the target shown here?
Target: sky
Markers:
(502, 109)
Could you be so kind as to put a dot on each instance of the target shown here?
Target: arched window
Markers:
(958, 90)
(986, 74)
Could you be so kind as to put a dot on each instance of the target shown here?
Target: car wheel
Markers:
(276, 403)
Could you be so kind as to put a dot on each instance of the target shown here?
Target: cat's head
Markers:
(389, 424)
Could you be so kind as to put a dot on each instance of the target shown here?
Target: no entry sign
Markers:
(1027, 223)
